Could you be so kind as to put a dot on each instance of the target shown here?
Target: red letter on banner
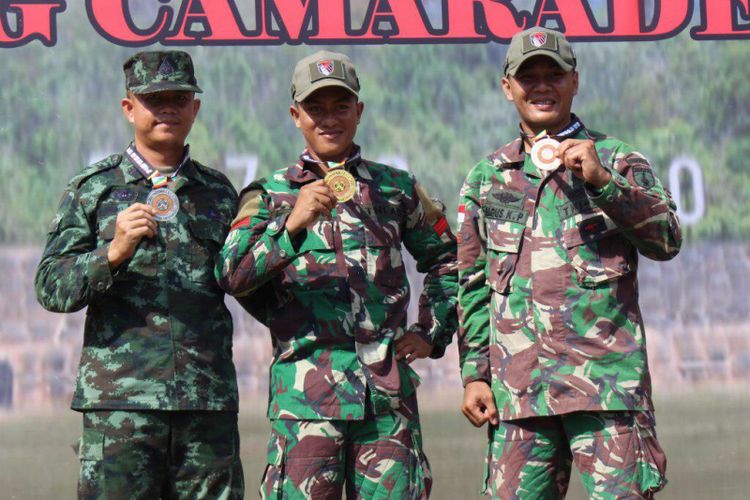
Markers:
(408, 20)
(36, 20)
(628, 19)
(292, 16)
(220, 21)
(502, 20)
(111, 18)
(719, 19)
(574, 16)
(332, 26)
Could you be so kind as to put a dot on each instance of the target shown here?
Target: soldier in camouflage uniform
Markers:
(135, 239)
(342, 394)
(551, 339)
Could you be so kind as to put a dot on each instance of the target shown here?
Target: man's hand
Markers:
(314, 199)
(131, 226)
(581, 158)
(411, 346)
(479, 404)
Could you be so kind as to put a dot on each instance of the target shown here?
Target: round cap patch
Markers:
(342, 184)
(165, 203)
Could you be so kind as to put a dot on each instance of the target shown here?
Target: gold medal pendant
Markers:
(342, 184)
(165, 203)
(543, 154)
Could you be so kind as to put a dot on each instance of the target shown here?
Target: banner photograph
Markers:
(271, 227)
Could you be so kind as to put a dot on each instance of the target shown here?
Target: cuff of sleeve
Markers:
(608, 193)
(438, 350)
(99, 275)
(469, 373)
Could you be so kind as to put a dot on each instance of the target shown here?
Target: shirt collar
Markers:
(301, 172)
(186, 168)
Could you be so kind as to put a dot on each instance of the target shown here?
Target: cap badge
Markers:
(538, 39)
(325, 67)
(166, 68)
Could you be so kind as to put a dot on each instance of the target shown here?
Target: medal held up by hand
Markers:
(543, 154)
(165, 203)
(342, 184)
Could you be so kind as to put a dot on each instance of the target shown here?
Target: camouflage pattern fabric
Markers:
(340, 289)
(616, 453)
(377, 458)
(547, 271)
(157, 333)
(153, 454)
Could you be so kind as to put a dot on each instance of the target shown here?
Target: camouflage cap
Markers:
(538, 41)
(159, 71)
(323, 69)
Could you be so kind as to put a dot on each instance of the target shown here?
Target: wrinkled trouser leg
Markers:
(157, 454)
(528, 458)
(616, 452)
(379, 457)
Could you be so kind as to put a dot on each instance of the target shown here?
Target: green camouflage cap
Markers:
(159, 71)
(538, 41)
(323, 69)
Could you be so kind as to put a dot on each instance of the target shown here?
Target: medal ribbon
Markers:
(575, 126)
(356, 155)
(152, 174)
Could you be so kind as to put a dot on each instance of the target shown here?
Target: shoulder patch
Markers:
(250, 201)
(433, 212)
(644, 176)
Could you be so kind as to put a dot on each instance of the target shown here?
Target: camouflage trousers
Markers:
(616, 453)
(379, 457)
(160, 454)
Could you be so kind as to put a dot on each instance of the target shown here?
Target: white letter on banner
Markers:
(689, 164)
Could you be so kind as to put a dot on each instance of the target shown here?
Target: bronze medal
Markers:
(543, 154)
(342, 184)
(165, 203)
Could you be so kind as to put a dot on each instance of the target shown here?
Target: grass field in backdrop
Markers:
(705, 434)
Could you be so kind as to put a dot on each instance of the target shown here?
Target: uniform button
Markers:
(100, 285)
(610, 197)
(282, 253)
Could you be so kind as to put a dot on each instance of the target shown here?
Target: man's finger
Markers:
(491, 412)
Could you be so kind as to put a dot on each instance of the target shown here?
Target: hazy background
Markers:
(434, 110)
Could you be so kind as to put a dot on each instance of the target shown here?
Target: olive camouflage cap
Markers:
(538, 41)
(159, 71)
(323, 69)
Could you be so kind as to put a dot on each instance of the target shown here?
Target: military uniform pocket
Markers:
(143, 263)
(91, 455)
(272, 483)
(596, 251)
(206, 242)
(503, 244)
(651, 461)
(420, 473)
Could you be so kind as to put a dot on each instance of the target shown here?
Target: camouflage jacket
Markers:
(157, 334)
(547, 280)
(340, 289)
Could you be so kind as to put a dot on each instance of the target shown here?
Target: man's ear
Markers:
(294, 113)
(506, 88)
(360, 110)
(127, 107)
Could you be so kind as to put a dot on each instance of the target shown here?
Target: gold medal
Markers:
(543, 154)
(342, 184)
(165, 203)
